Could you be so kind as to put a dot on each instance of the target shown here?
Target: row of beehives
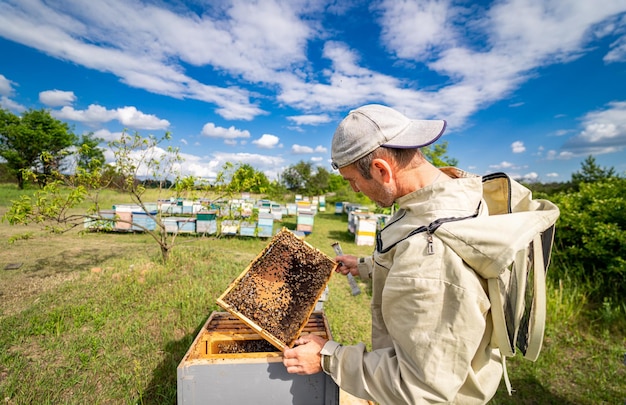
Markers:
(234, 208)
(198, 220)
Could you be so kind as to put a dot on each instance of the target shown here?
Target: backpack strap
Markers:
(518, 305)
(537, 321)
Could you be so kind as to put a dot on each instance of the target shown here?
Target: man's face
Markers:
(379, 192)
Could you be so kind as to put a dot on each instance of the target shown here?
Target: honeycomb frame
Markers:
(277, 292)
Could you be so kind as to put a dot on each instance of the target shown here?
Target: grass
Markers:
(95, 318)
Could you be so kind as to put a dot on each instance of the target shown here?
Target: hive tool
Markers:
(353, 285)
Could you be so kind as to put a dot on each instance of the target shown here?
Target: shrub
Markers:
(590, 239)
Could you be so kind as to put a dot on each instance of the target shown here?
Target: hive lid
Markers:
(277, 292)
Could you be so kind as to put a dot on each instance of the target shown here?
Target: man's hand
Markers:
(347, 264)
(305, 357)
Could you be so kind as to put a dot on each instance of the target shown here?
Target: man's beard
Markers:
(386, 198)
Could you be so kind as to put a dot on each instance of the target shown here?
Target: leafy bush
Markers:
(590, 241)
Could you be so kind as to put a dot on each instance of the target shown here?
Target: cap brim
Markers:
(417, 134)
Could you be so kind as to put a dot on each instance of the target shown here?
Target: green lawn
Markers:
(95, 318)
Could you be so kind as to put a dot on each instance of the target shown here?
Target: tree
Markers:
(35, 141)
(336, 182)
(296, 177)
(135, 158)
(5, 175)
(90, 155)
(591, 172)
(304, 177)
(276, 191)
(318, 183)
(437, 155)
(246, 178)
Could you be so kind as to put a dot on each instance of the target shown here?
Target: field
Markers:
(96, 318)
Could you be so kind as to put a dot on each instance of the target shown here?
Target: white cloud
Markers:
(518, 147)
(413, 30)
(6, 92)
(612, 26)
(441, 58)
(267, 141)
(562, 132)
(107, 135)
(199, 167)
(193, 165)
(310, 119)
(532, 176)
(131, 117)
(563, 155)
(143, 44)
(57, 98)
(504, 165)
(618, 52)
(128, 116)
(528, 177)
(231, 133)
(11, 105)
(604, 131)
(303, 150)
(6, 86)
(552, 175)
(94, 114)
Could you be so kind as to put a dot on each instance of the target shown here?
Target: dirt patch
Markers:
(48, 261)
(20, 294)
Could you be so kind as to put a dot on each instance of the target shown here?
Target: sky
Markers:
(528, 87)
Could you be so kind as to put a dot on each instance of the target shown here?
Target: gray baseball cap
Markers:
(374, 125)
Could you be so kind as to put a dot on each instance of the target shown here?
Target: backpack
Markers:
(518, 295)
(515, 279)
(517, 290)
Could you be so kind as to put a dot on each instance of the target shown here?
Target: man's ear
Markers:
(381, 170)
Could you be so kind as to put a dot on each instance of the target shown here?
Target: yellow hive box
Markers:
(225, 338)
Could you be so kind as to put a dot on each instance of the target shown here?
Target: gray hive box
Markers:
(229, 363)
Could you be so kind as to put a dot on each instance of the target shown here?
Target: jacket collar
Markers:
(459, 197)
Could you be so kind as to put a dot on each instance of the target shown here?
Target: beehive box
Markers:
(230, 227)
(230, 363)
(225, 338)
(278, 291)
(365, 234)
(247, 228)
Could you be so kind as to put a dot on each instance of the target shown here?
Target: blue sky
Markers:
(529, 87)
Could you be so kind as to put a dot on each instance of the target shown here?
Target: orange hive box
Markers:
(276, 294)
